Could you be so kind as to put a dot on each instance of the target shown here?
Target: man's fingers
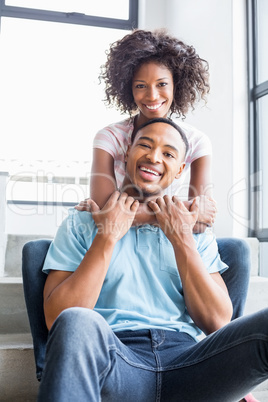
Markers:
(129, 202)
(154, 206)
(134, 206)
(161, 201)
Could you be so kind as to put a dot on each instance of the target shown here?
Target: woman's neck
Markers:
(139, 119)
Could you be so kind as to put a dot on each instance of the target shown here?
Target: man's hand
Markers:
(173, 217)
(117, 215)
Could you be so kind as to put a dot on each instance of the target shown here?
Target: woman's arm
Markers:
(200, 179)
(102, 179)
(201, 184)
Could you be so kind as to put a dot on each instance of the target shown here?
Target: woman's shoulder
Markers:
(115, 137)
(190, 131)
(199, 142)
(122, 127)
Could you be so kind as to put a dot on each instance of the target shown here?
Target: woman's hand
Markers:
(116, 217)
(207, 210)
(84, 205)
(206, 215)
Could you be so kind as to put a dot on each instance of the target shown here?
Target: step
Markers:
(17, 369)
(257, 298)
(13, 252)
(13, 315)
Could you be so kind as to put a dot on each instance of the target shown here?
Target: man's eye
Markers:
(168, 155)
(144, 145)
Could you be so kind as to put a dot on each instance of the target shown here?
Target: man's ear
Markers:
(127, 153)
(181, 169)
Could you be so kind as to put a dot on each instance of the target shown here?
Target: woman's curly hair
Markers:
(125, 56)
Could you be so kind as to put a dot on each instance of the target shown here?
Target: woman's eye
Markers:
(140, 86)
(144, 145)
(163, 84)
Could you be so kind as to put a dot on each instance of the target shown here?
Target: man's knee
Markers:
(235, 250)
(78, 323)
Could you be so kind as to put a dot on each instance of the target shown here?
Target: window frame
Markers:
(256, 91)
(72, 17)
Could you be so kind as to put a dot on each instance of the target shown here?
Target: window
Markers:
(118, 9)
(258, 117)
(119, 14)
(51, 102)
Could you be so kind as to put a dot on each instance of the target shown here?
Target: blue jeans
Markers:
(86, 361)
(236, 254)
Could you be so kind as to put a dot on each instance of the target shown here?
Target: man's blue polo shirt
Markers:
(142, 288)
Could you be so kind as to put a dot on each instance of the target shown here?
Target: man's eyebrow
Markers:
(152, 141)
(146, 138)
(172, 147)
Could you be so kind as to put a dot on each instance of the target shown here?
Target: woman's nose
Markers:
(152, 93)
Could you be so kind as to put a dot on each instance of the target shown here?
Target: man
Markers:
(125, 304)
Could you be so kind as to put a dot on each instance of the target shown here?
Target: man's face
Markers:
(155, 159)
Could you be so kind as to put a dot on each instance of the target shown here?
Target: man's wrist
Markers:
(183, 239)
(106, 239)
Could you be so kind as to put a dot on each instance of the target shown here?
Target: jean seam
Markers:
(103, 373)
(133, 364)
(158, 375)
(227, 347)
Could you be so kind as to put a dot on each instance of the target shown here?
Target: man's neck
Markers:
(137, 193)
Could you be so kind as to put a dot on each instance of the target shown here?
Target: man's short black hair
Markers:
(166, 121)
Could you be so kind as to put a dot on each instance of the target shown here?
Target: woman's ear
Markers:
(181, 169)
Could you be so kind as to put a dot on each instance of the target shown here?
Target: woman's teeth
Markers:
(154, 107)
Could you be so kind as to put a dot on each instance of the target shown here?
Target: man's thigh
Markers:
(224, 366)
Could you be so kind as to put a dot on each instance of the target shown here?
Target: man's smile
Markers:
(149, 172)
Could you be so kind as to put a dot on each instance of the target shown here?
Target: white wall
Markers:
(216, 28)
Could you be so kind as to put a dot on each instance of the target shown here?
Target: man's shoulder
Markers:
(204, 240)
(79, 221)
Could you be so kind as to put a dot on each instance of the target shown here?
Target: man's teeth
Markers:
(153, 107)
(149, 171)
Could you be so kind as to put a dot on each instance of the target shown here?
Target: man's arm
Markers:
(206, 295)
(82, 287)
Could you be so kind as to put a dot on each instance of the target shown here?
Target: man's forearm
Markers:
(207, 302)
(82, 287)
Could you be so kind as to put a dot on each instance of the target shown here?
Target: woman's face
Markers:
(152, 89)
